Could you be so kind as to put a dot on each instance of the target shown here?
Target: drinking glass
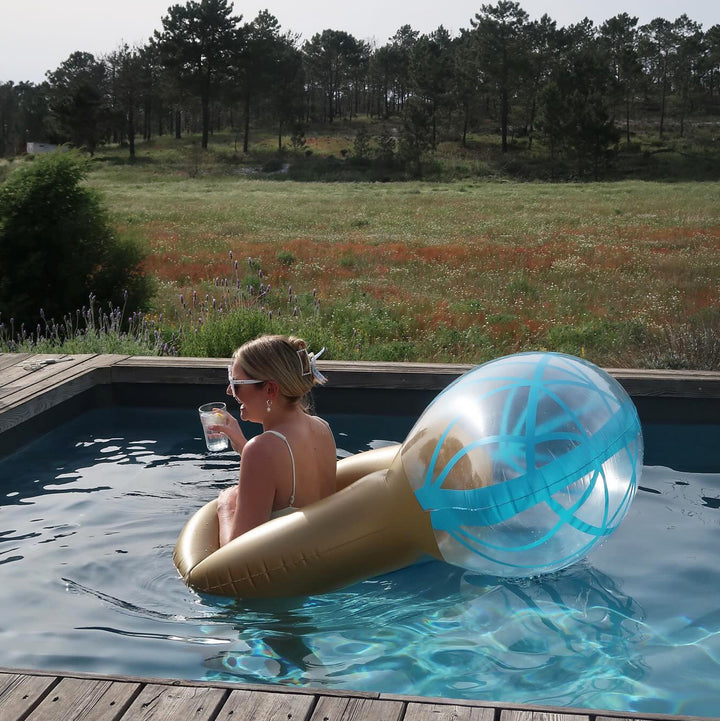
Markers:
(213, 414)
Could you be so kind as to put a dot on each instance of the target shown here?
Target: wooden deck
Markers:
(28, 392)
(38, 696)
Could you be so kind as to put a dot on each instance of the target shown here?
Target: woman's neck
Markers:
(280, 415)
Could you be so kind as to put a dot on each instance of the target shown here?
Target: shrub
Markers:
(691, 345)
(57, 245)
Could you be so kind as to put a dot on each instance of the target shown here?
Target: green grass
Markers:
(426, 271)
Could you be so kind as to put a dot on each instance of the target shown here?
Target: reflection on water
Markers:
(437, 630)
(88, 523)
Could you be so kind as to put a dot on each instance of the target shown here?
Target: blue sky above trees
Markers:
(38, 35)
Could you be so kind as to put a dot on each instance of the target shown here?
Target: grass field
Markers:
(624, 273)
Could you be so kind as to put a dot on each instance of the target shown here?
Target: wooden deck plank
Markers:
(20, 693)
(20, 377)
(43, 389)
(23, 693)
(344, 374)
(447, 712)
(158, 702)
(338, 708)
(529, 715)
(75, 699)
(244, 705)
(171, 361)
(10, 359)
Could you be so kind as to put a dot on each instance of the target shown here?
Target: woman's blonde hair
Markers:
(279, 358)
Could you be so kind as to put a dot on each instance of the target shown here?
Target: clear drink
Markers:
(212, 414)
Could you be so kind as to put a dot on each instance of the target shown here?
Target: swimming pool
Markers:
(89, 514)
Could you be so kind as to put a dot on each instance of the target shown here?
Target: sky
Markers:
(38, 35)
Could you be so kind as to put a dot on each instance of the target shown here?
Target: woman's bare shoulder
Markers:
(320, 423)
(262, 445)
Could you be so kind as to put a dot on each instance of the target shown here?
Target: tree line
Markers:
(577, 90)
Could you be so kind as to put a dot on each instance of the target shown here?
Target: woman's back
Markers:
(306, 451)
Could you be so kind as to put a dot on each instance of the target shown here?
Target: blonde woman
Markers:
(292, 463)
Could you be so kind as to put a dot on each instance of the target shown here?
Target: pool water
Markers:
(89, 514)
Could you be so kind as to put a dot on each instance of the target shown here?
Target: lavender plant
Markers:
(90, 329)
(237, 307)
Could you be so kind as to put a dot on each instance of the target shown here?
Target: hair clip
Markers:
(308, 364)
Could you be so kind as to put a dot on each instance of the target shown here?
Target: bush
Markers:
(57, 246)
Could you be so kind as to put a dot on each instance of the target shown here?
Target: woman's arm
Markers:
(250, 503)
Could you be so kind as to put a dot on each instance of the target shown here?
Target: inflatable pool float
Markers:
(518, 468)
(341, 539)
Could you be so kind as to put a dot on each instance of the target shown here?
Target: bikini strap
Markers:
(291, 501)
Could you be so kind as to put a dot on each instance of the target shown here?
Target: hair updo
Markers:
(279, 358)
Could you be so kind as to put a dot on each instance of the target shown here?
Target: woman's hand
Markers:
(227, 500)
(227, 503)
(231, 428)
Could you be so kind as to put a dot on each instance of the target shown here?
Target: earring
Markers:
(268, 406)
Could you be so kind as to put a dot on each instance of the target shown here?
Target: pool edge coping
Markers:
(53, 385)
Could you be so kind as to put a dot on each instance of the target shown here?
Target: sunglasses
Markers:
(235, 382)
